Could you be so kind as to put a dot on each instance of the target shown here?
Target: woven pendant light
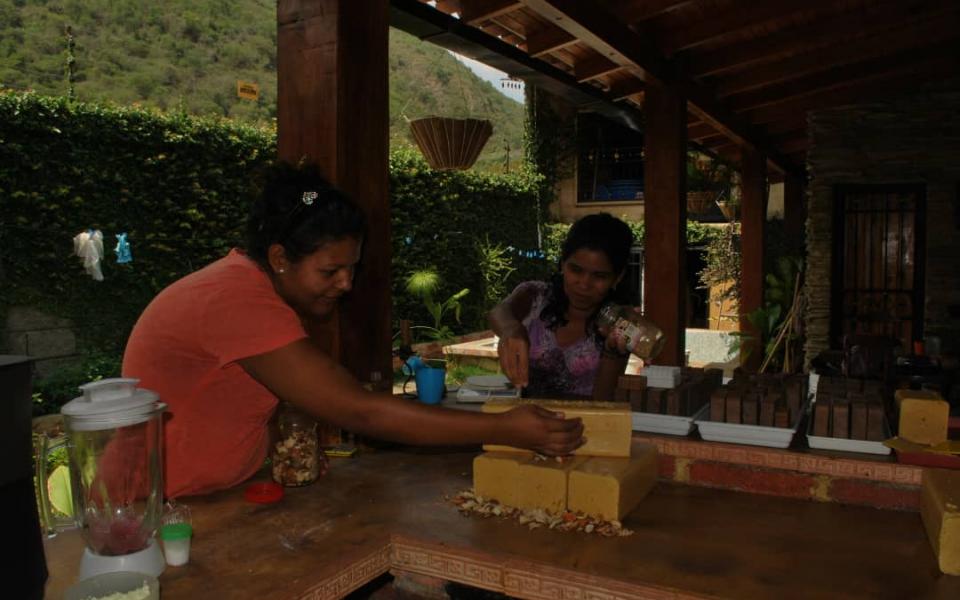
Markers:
(449, 143)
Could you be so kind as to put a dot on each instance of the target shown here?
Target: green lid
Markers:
(176, 531)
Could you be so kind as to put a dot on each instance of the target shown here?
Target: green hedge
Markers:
(438, 218)
(180, 187)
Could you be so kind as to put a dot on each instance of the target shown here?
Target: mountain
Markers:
(189, 54)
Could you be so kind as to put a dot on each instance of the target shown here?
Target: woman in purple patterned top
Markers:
(549, 341)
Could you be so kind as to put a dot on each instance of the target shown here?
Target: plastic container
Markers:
(848, 445)
(640, 336)
(118, 582)
(667, 424)
(754, 435)
(297, 455)
(176, 543)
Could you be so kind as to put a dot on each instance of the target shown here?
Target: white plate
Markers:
(845, 445)
(667, 424)
(494, 382)
(754, 435)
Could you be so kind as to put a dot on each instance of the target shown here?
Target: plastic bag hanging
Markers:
(123, 249)
(89, 246)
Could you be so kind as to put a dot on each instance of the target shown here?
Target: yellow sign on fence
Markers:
(248, 90)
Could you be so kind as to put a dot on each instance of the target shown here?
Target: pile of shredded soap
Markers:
(141, 593)
(469, 503)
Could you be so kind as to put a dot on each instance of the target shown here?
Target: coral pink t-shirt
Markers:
(186, 345)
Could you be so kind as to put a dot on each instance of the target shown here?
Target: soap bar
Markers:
(923, 419)
(497, 474)
(543, 483)
(610, 488)
(940, 510)
(606, 425)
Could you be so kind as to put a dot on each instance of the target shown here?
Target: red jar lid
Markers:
(263, 493)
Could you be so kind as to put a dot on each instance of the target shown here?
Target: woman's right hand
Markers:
(513, 350)
(545, 431)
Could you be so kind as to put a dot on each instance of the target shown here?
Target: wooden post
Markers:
(753, 217)
(665, 216)
(332, 108)
(794, 212)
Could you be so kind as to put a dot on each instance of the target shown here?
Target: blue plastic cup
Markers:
(430, 384)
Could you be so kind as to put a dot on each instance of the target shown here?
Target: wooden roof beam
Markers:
(718, 24)
(879, 85)
(635, 12)
(609, 36)
(883, 16)
(593, 68)
(698, 131)
(474, 12)
(841, 77)
(628, 88)
(548, 39)
(928, 32)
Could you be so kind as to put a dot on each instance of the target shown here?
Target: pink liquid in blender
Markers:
(117, 535)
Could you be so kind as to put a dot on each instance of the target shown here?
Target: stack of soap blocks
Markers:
(765, 399)
(849, 408)
(606, 478)
(924, 420)
(681, 396)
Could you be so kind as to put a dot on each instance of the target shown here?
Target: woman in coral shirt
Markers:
(222, 345)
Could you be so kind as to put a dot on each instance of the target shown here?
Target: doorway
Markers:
(878, 262)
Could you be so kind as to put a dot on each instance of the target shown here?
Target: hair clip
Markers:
(309, 197)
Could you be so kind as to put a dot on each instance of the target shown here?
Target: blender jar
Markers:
(114, 434)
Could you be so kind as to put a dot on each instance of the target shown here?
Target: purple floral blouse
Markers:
(556, 370)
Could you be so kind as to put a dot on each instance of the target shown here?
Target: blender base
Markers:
(149, 560)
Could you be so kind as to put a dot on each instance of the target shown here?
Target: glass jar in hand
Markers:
(297, 457)
(641, 336)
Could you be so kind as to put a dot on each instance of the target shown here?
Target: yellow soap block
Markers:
(611, 487)
(940, 510)
(923, 416)
(606, 425)
(543, 483)
(496, 475)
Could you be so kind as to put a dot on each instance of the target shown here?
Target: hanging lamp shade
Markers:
(449, 143)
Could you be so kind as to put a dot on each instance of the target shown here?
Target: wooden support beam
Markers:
(594, 67)
(474, 12)
(728, 23)
(836, 31)
(665, 216)
(332, 109)
(922, 33)
(548, 39)
(794, 213)
(753, 218)
(610, 37)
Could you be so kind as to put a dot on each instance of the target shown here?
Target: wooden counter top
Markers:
(386, 510)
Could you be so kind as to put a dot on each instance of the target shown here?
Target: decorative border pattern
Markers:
(352, 576)
(463, 567)
(520, 579)
(771, 458)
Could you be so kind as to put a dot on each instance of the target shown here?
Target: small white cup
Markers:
(176, 543)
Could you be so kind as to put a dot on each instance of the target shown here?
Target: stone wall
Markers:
(909, 139)
(48, 339)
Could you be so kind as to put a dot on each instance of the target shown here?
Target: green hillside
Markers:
(188, 55)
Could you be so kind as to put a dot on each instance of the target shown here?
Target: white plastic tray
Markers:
(754, 435)
(845, 445)
(668, 424)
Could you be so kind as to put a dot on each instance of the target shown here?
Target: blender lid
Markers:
(117, 399)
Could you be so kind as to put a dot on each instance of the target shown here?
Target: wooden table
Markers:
(383, 511)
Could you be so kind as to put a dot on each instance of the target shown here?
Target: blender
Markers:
(114, 444)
